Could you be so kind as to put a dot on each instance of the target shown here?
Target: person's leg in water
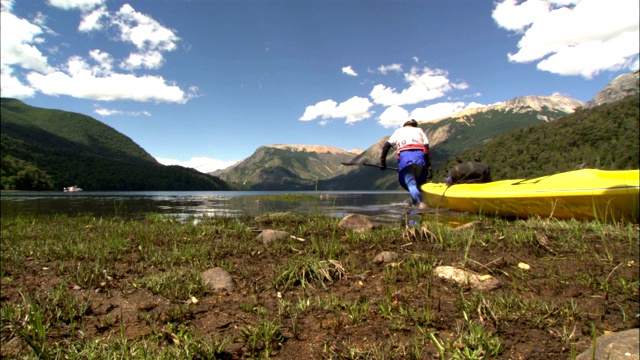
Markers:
(407, 177)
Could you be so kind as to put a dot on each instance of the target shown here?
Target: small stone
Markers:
(464, 278)
(218, 279)
(267, 236)
(385, 257)
(356, 222)
(524, 266)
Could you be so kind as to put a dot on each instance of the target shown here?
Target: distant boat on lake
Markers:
(73, 188)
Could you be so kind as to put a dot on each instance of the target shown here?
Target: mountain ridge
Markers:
(313, 148)
(463, 131)
(619, 88)
(285, 167)
(523, 104)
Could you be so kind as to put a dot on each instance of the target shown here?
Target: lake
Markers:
(381, 206)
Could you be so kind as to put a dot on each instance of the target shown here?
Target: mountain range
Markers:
(449, 137)
(287, 167)
(44, 148)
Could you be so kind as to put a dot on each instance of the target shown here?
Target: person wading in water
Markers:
(414, 163)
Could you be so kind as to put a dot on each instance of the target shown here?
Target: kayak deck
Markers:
(580, 194)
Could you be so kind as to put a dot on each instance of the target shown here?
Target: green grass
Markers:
(88, 288)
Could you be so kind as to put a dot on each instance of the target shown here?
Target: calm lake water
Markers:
(381, 206)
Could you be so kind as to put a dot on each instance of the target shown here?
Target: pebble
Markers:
(267, 236)
(464, 278)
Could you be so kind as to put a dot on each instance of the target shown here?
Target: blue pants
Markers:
(411, 178)
(412, 172)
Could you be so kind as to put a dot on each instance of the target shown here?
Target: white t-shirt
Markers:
(408, 136)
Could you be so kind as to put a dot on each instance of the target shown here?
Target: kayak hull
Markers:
(587, 194)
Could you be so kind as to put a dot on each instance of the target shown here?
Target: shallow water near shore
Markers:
(381, 206)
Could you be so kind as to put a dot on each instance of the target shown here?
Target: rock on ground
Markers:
(385, 257)
(614, 346)
(218, 279)
(464, 278)
(267, 236)
(356, 222)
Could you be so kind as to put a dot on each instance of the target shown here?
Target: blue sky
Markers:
(204, 83)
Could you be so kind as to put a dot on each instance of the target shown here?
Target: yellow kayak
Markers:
(581, 194)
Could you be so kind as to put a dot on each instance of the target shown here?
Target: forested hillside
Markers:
(602, 137)
(470, 132)
(45, 149)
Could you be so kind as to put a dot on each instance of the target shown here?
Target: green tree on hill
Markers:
(603, 137)
(21, 175)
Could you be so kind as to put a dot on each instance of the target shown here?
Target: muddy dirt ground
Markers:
(545, 312)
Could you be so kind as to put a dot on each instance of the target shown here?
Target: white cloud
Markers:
(513, 16)
(76, 4)
(384, 69)
(6, 5)
(202, 164)
(19, 52)
(437, 111)
(349, 71)
(91, 21)
(322, 109)
(104, 60)
(17, 44)
(12, 87)
(85, 82)
(143, 31)
(26, 70)
(110, 112)
(148, 36)
(473, 105)
(563, 61)
(148, 60)
(425, 84)
(581, 37)
(393, 116)
(352, 110)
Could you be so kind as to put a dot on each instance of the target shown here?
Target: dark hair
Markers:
(411, 123)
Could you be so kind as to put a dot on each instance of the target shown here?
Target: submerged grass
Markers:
(93, 288)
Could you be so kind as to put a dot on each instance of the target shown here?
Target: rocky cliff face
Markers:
(621, 87)
(315, 148)
(556, 103)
